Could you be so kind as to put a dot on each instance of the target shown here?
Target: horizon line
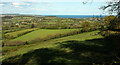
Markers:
(53, 14)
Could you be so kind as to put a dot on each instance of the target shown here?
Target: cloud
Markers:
(24, 4)
(1, 4)
(20, 4)
(39, 9)
(53, 0)
(49, 7)
(16, 4)
(64, 0)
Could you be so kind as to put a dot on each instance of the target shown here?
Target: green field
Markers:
(20, 50)
(87, 47)
(19, 33)
(41, 33)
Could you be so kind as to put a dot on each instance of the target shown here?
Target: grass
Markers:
(41, 33)
(19, 33)
(85, 48)
(20, 50)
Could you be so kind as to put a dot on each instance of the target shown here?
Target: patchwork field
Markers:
(20, 50)
(41, 33)
(30, 40)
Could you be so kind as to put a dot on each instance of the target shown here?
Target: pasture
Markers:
(41, 33)
(18, 33)
(20, 50)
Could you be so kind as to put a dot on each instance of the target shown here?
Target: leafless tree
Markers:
(112, 7)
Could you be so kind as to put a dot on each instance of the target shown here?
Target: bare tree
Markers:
(113, 6)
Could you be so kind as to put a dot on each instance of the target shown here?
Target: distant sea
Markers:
(77, 16)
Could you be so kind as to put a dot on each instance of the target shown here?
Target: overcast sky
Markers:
(52, 7)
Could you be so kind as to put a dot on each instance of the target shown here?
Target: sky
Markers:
(52, 7)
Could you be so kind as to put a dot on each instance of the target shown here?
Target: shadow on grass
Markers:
(89, 51)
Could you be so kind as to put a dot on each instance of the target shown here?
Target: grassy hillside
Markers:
(29, 40)
(20, 50)
(41, 33)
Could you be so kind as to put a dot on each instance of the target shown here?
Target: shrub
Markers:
(14, 43)
(112, 22)
(36, 40)
(86, 26)
(16, 34)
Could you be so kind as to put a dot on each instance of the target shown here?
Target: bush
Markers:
(86, 26)
(14, 43)
(112, 22)
(16, 34)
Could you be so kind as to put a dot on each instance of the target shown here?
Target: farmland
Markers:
(45, 40)
(13, 35)
(51, 43)
(42, 33)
